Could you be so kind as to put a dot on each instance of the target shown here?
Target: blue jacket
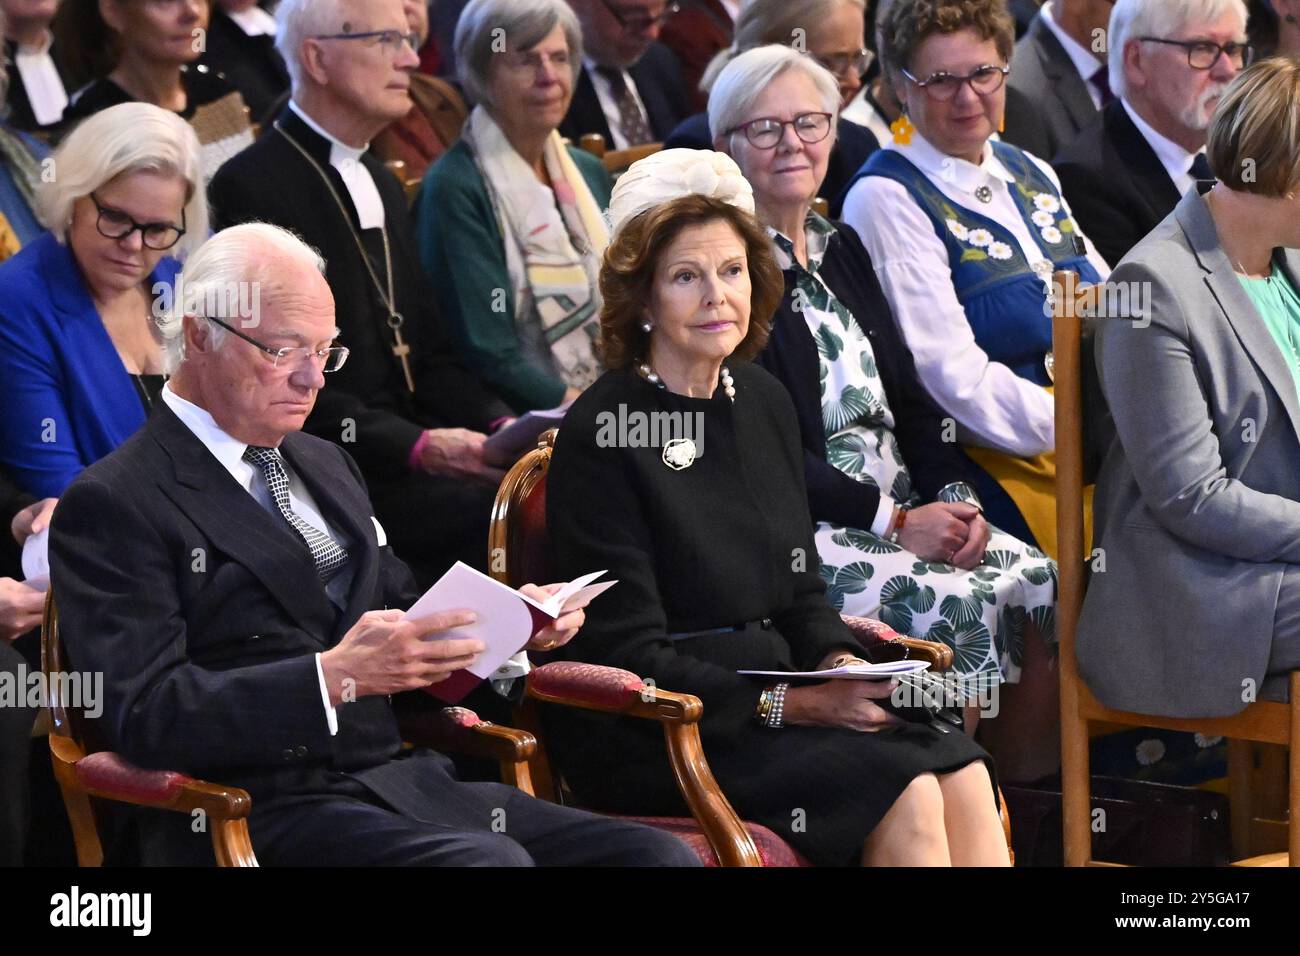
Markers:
(65, 399)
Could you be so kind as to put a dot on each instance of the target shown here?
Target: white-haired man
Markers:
(225, 574)
(1170, 60)
(404, 407)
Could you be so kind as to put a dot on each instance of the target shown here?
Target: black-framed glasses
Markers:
(1203, 54)
(115, 224)
(636, 23)
(390, 40)
(766, 131)
(332, 357)
(984, 81)
(841, 64)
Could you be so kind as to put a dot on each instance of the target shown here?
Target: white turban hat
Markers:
(672, 173)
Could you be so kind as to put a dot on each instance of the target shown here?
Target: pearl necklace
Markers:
(651, 376)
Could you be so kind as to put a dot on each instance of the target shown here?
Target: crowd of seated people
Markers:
(875, 389)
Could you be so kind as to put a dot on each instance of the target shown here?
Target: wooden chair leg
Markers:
(231, 843)
(1076, 798)
(1241, 771)
(1293, 801)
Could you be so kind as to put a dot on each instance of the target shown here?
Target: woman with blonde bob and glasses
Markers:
(1198, 497)
(964, 232)
(81, 357)
(696, 503)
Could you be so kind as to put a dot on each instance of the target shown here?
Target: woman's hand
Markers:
(20, 608)
(33, 519)
(562, 629)
(841, 703)
(938, 531)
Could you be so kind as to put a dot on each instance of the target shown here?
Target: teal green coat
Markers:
(464, 256)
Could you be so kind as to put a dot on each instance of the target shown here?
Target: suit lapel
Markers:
(1236, 305)
(1150, 178)
(240, 527)
(586, 111)
(1065, 80)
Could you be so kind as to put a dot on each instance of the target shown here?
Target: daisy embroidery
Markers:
(958, 230)
(980, 238)
(1052, 235)
(1047, 203)
(1042, 218)
(999, 250)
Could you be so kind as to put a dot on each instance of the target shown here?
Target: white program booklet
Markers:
(850, 671)
(36, 561)
(507, 620)
(504, 448)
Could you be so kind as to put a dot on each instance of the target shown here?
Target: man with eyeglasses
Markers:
(630, 90)
(1059, 71)
(1169, 64)
(412, 416)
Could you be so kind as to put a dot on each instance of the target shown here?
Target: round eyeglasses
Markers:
(115, 224)
(293, 356)
(842, 64)
(984, 80)
(766, 131)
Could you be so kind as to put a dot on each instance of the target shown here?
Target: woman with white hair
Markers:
(832, 33)
(900, 529)
(81, 359)
(510, 227)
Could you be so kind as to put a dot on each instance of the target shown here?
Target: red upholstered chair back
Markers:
(518, 552)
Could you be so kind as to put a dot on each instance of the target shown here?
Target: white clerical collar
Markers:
(964, 175)
(255, 22)
(347, 160)
(1085, 64)
(1176, 160)
(45, 91)
(228, 450)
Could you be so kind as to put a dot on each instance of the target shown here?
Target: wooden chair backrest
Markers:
(66, 721)
(616, 160)
(517, 550)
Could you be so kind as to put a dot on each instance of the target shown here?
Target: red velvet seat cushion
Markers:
(110, 773)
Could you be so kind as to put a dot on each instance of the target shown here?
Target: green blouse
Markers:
(1278, 304)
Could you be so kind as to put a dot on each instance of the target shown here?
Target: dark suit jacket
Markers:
(250, 64)
(1053, 102)
(791, 355)
(1115, 183)
(203, 612)
(271, 182)
(658, 79)
(697, 33)
(12, 500)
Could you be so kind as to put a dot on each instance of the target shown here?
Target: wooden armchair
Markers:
(87, 774)
(517, 555)
(616, 160)
(1274, 719)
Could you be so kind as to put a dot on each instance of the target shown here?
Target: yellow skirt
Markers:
(1031, 483)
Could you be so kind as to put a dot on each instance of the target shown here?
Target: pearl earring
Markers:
(647, 327)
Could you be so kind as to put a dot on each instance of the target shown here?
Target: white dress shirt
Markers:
(1085, 62)
(609, 106)
(41, 79)
(229, 451)
(861, 111)
(360, 184)
(993, 406)
(1175, 159)
(255, 22)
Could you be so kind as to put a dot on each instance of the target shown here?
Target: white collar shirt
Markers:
(1176, 160)
(255, 22)
(347, 160)
(608, 105)
(41, 80)
(1085, 63)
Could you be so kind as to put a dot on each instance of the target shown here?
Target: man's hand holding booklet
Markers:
(506, 620)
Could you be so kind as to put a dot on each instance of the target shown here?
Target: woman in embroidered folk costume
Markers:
(148, 53)
(510, 227)
(965, 232)
(899, 526)
(707, 529)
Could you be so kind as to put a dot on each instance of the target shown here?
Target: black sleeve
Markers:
(12, 500)
(1104, 215)
(1024, 125)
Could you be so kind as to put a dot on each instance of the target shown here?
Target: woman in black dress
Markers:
(681, 471)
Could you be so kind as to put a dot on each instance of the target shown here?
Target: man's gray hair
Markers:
(1157, 18)
(743, 80)
(299, 20)
(761, 22)
(486, 27)
(232, 267)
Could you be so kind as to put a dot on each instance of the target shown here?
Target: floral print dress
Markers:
(983, 613)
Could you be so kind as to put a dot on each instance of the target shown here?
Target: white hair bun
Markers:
(672, 173)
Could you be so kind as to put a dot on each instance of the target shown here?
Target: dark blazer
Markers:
(12, 500)
(1115, 184)
(251, 64)
(791, 355)
(853, 145)
(1053, 102)
(697, 33)
(271, 182)
(203, 613)
(67, 399)
(658, 79)
(20, 105)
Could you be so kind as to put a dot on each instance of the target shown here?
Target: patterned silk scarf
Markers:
(554, 241)
(15, 154)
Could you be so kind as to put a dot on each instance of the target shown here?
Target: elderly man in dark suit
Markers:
(631, 89)
(1125, 172)
(225, 574)
(1058, 72)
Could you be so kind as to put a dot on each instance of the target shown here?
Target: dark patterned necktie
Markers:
(632, 122)
(1101, 79)
(325, 551)
(1200, 168)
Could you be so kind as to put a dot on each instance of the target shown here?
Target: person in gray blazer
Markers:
(1194, 599)
(1058, 75)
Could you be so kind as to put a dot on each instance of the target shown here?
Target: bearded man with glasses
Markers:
(1170, 62)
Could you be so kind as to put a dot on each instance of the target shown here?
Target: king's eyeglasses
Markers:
(984, 80)
(115, 224)
(293, 356)
(766, 131)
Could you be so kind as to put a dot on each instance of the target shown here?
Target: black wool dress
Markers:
(722, 543)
